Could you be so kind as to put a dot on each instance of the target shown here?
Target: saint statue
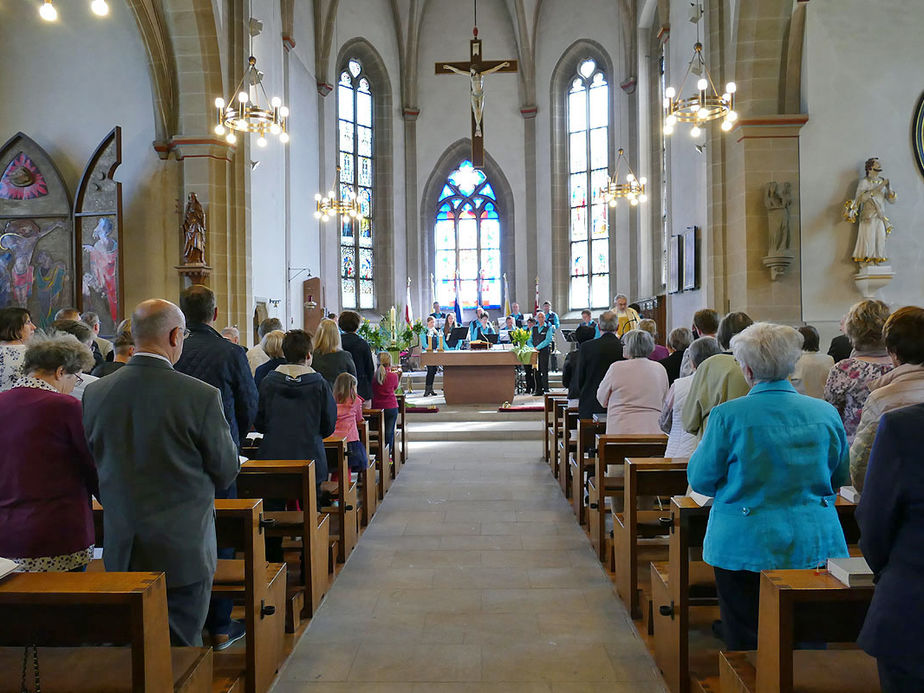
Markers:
(868, 206)
(194, 232)
(777, 201)
(477, 78)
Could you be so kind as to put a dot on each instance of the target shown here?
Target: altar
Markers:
(477, 377)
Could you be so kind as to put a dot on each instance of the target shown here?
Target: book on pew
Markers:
(701, 500)
(853, 572)
(850, 493)
(7, 566)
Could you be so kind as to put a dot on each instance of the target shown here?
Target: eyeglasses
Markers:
(186, 333)
(77, 378)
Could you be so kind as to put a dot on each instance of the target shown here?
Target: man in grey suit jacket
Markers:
(162, 446)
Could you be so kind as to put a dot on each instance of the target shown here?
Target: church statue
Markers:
(194, 232)
(777, 201)
(869, 207)
(477, 77)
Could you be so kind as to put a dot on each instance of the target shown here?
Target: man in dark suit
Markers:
(162, 447)
(596, 357)
(358, 347)
(892, 531)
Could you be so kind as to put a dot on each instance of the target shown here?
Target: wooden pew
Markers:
(612, 450)
(260, 586)
(368, 492)
(294, 481)
(345, 512)
(548, 408)
(401, 434)
(566, 448)
(808, 606)
(558, 424)
(640, 535)
(581, 464)
(62, 613)
(377, 447)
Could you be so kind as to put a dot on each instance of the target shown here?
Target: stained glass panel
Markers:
(346, 79)
(348, 292)
(491, 294)
(599, 109)
(468, 294)
(446, 192)
(445, 292)
(577, 151)
(468, 264)
(365, 171)
(598, 220)
(600, 291)
(487, 191)
(346, 167)
(355, 67)
(490, 262)
(364, 84)
(365, 202)
(445, 212)
(466, 178)
(601, 256)
(468, 233)
(365, 232)
(345, 191)
(598, 181)
(578, 292)
(587, 67)
(445, 235)
(577, 111)
(490, 233)
(345, 102)
(489, 211)
(366, 293)
(445, 264)
(578, 190)
(578, 223)
(364, 144)
(598, 148)
(364, 108)
(346, 136)
(346, 231)
(579, 259)
(365, 263)
(347, 261)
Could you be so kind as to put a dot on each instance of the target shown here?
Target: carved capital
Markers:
(628, 84)
(288, 42)
(195, 147)
(325, 88)
(529, 112)
(411, 113)
(770, 126)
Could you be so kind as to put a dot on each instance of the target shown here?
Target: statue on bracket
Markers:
(194, 269)
(777, 200)
(868, 208)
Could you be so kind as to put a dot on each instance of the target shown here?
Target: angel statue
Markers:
(869, 207)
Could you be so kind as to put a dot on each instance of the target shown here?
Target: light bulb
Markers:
(330, 193)
(231, 138)
(275, 102)
(324, 217)
(630, 177)
(731, 116)
(219, 102)
(695, 131)
(219, 129)
(633, 202)
(702, 112)
(643, 198)
(671, 120)
(643, 180)
(613, 202)
(48, 12)
(726, 125)
(261, 141)
(731, 87)
(666, 103)
(283, 112)
(317, 197)
(702, 84)
(317, 215)
(668, 130)
(275, 129)
(99, 7)
(243, 97)
(283, 137)
(670, 92)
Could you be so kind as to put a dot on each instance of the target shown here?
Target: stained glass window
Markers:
(467, 237)
(588, 160)
(357, 172)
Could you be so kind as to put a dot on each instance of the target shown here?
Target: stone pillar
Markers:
(417, 240)
(529, 265)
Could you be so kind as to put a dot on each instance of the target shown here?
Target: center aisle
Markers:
(473, 576)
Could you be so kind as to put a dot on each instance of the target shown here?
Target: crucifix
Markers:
(475, 69)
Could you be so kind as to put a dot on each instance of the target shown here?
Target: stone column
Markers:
(529, 265)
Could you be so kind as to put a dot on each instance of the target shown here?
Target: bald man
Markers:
(162, 446)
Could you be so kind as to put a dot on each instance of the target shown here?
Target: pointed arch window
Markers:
(588, 164)
(355, 127)
(467, 240)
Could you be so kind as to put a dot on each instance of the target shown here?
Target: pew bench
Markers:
(344, 511)
(401, 434)
(581, 465)
(67, 615)
(558, 423)
(548, 410)
(806, 606)
(368, 492)
(567, 447)
(377, 447)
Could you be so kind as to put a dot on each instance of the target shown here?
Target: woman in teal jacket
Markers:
(773, 460)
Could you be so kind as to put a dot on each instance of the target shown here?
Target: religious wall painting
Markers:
(37, 265)
(675, 252)
(98, 227)
(690, 258)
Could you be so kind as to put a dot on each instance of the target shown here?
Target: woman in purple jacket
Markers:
(47, 474)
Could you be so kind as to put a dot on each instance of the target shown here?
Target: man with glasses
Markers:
(162, 447)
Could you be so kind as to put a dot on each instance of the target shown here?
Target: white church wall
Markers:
(859, 90)
(74, 80)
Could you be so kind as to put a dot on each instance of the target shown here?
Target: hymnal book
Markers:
(853, 572)
(700, 499)
(850, 493)
(7, 566)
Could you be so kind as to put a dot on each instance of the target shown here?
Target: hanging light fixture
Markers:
(246, 111)
(48, 12)
(100, 8)
(633, 189)
(331, 205)
(703, 106)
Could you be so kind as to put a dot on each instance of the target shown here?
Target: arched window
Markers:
(588, 163)
(355, 127)
(467, 240)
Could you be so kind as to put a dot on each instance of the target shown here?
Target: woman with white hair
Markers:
(679, 442)
(632, 390)
(773, 460)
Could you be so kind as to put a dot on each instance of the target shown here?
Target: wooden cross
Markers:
(476, 69)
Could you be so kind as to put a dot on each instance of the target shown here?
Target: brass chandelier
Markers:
(633, 189)
(332, 205)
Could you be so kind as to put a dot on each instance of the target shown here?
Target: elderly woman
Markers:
(719, 378)
(16, 329)
(272, 345)
(679, 442)
(903, 335)
(812, 368)
(848, 382)
(632, 390)
(84, 334)
(660, 351)
(678, 341)
(46, 472)
(773, 461)
(329, 358)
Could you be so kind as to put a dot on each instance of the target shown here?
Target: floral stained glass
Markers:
(355, 159)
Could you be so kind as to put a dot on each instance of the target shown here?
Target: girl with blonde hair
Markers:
(384, 384)
(350, 413)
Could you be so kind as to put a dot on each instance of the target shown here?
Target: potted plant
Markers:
(519, 338)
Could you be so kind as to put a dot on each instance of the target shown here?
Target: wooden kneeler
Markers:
(345, 512)
(294, 480)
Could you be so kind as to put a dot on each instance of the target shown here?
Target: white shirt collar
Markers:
(154, 356)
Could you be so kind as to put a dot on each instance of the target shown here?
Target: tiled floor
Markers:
(472, 577)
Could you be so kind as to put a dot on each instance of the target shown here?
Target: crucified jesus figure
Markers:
(477, 78)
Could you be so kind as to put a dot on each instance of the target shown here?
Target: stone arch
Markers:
(451, 157)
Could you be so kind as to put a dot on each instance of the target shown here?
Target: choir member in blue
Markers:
(541, 339)
(588, 321)
(448, 326)
(516, 315)
(437, 314)
(504, 332)
(551, 316)
(480, 327)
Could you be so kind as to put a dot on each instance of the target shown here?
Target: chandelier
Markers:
(332, 205)
(49, 13)
(246, 111)
(706, 104)
(633, 189)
